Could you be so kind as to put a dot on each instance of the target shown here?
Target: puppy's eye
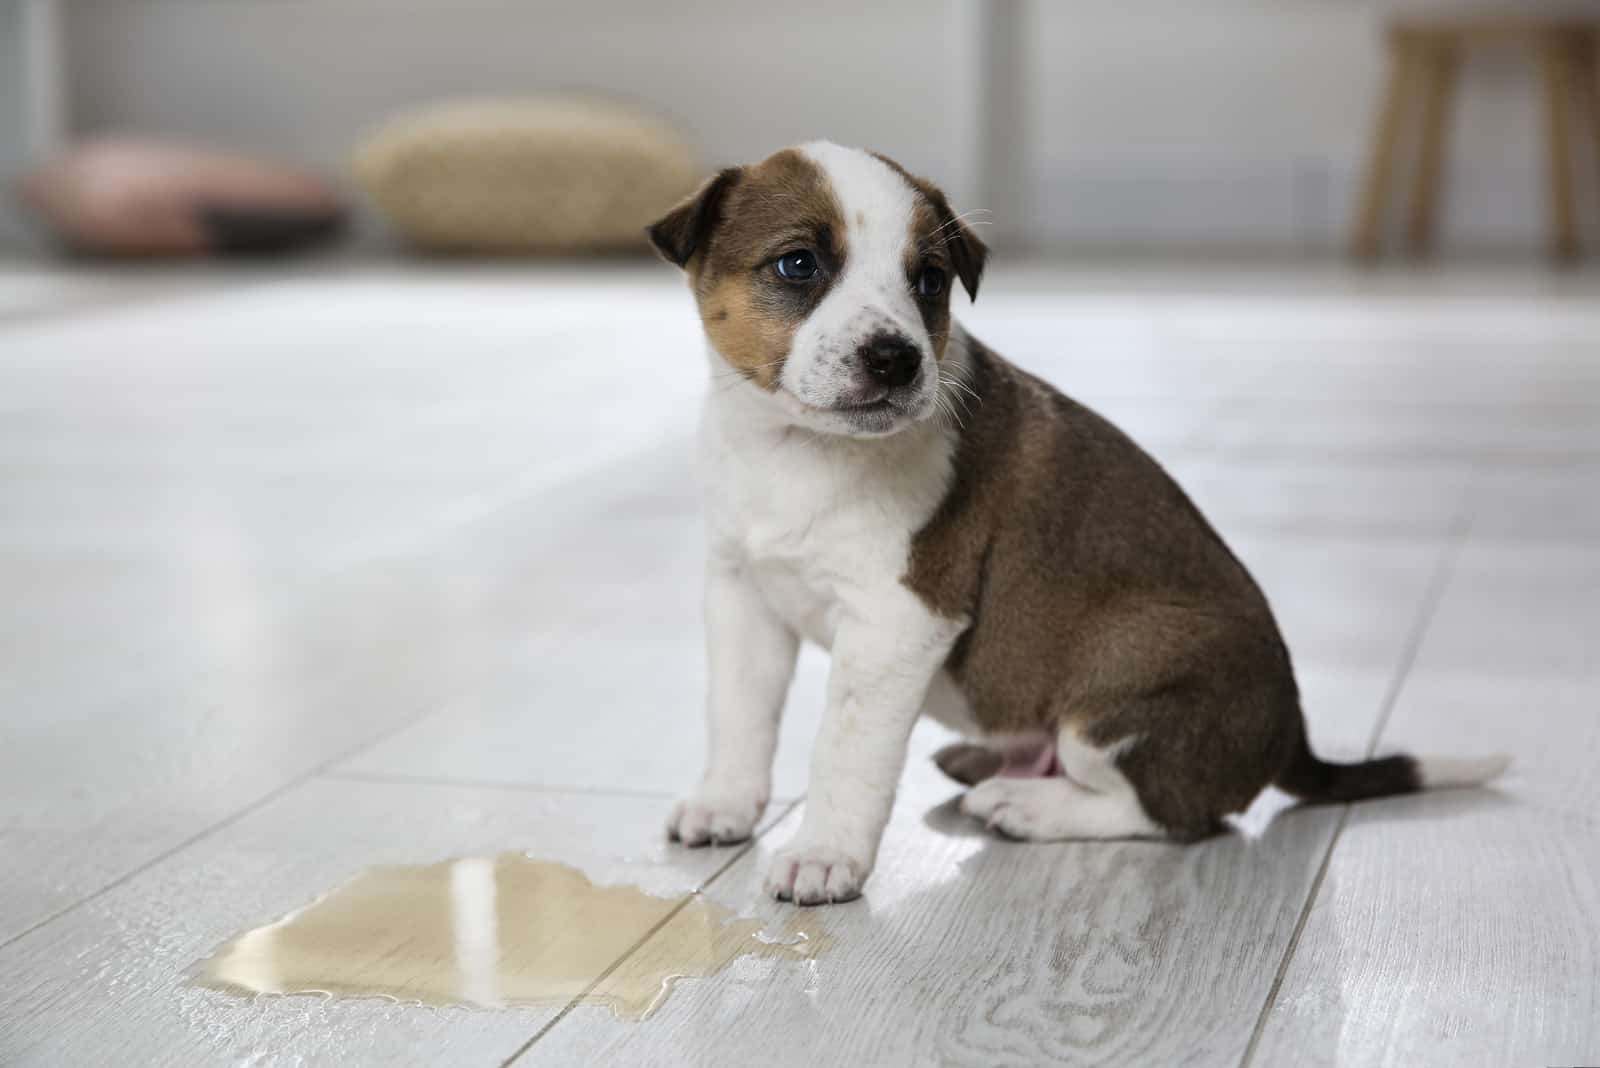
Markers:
(930, 283)
(797, 266)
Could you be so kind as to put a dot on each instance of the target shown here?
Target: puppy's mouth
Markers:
(883, 403)
(877, 413)
(877, 399)
(869, 410)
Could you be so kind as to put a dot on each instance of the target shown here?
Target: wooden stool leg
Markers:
(1588, 75)
(1366, 231)
(1556, 64)
(1437, 60)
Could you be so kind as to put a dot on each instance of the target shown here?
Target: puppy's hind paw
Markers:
(1025, 809)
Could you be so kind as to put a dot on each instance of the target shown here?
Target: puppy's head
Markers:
(823, 277)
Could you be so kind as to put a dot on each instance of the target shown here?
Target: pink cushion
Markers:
(134, 197)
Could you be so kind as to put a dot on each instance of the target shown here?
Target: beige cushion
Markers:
(538, 175)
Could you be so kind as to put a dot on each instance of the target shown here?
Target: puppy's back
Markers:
(1080, 563)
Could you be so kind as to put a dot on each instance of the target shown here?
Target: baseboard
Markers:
(1296, 208)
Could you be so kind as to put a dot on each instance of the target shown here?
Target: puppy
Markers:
(965, 540)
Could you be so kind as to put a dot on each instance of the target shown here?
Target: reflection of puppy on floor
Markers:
(965, 540)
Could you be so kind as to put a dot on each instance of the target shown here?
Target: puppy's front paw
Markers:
(815, 875)
(718, 816)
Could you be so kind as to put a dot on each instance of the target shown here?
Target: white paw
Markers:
(1010, 806)
(815, 875)
(716, 815)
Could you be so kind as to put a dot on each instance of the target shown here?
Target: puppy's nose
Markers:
(890, 359)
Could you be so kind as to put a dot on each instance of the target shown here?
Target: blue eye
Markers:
(797, 266)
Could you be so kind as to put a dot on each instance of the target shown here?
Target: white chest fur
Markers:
(822, 525)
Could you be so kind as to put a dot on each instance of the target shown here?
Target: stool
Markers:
(1424, 56)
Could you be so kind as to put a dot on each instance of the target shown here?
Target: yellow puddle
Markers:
(493, 931)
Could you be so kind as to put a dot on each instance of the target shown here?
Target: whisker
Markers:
(955, 382)
(943, 404)
(956, 220)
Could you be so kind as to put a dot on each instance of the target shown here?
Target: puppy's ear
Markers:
(967, 253)
(684, 230)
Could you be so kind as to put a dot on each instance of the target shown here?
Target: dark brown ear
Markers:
(967, 253)
(684, 230)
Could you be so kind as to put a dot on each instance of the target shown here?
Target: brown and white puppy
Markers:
(965, 540)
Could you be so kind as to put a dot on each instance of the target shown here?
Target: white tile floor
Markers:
(305, 571)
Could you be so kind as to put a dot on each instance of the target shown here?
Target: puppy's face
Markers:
(823, 277)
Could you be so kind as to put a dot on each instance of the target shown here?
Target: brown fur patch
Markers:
(782, 204)
(1100, 598)
(926, 249)
(952, 238)
(753, 342)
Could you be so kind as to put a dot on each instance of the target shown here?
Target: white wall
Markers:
(13, 83)
(1140, 123)
(1244, 121)
(30, 97)
(307, 77)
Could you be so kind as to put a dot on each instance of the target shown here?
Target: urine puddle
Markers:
(496, 931)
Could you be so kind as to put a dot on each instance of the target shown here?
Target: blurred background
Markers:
(1088, 127)
(348, 516)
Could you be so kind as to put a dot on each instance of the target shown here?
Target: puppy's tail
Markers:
(1316, 781)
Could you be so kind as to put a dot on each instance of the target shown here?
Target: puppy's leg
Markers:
(1090, 798)
(969, 763)
(881, 669)
(750, 657)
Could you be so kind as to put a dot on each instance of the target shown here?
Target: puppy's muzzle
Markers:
(890, 360)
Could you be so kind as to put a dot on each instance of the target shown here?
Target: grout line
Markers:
(166, 854)
(222, 824)
(482, 784)
(1443, 570)
(1294, 939)
(651, 933)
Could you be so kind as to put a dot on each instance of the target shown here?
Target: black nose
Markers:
(890, 359)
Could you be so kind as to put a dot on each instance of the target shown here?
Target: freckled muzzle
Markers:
(887, 384)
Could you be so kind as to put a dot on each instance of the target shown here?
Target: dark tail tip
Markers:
(1316, 781)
